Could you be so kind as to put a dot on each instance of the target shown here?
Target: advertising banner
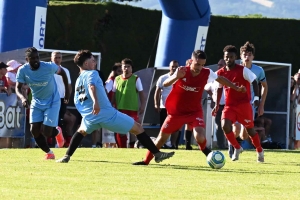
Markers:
(201, 38)
(39, 27)
(12, 116)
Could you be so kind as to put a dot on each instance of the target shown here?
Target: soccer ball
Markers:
(215, 159)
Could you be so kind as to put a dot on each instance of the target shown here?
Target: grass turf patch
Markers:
(108, 173)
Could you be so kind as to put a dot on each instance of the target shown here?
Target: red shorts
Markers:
(174, 123)
(131, 113)
(241, 113)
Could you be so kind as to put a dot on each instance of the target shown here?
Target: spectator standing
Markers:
(160, 96)
(4, 86)
(127, 91)
(108, 137)
(212, 90)
(12, 69)
(294, 101)
(56, 57)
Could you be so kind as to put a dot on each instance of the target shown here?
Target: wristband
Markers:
(255, 98)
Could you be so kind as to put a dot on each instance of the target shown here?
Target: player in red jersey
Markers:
(183, 103)
(237, 104)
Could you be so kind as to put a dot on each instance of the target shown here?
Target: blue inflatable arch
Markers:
(183, 29)
(22, 24)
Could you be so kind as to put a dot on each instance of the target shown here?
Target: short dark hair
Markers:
(127, 61)
(29, 51)
(116, 66)
(82, 56)
(248, 47)
(231, 49)
(3, 65)
(199, 54)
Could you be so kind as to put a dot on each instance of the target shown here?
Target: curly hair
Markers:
(82, 56)
(231, 49)
(29, 51)
(248, 47)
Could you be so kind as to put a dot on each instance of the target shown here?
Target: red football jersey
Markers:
(236, 76)
(3, 82)
(185, 96)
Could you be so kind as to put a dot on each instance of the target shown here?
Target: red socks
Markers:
(149, 157)
(231, 138)
(256, 142)
(121, 140)
(202, 145)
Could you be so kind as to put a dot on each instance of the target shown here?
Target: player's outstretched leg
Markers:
(158, 156)
(75, 142)
(148, 143)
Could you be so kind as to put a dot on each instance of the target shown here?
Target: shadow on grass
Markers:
(225, 170)
(201, 168)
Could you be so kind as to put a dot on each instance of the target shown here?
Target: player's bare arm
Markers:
(19, 93)
(143, 102)
(62, 72)
(157, 96)
(8, 90)
(96, 107)
(113, 98)
(4, 89)
(255, 90)
(264, 92)
(180, 73)
(216, 108)
(225, 81)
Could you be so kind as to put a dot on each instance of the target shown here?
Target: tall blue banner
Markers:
(22, 24)
(12, 116)
(183, 29)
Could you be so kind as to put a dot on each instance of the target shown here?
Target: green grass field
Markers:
(108, 174)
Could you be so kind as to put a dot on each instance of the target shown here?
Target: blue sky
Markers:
(267, 8)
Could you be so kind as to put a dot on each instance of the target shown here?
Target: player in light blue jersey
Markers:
(91, 101)
(45, 103)
(247, 55)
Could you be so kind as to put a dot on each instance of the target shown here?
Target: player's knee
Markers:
(226, 128)
(137, 129)
(47, 131)
(35, 129)
(82, 132)
(161, 139)
(251, 132)
(244, 135)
